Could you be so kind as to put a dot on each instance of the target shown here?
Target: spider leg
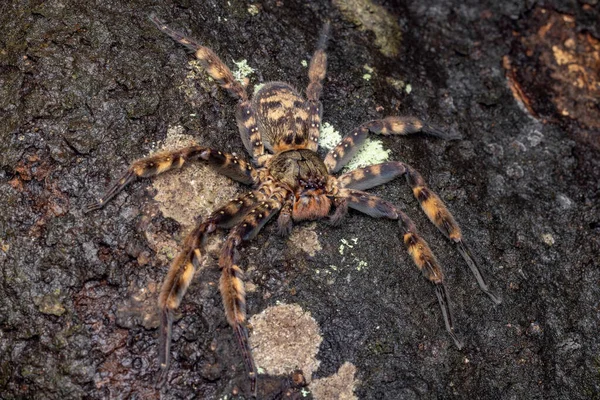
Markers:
(417, 247)
(232, 285)
(371, 176)
(217, 70)
(432, 205)
(438, 214)
(347, 148)
(227, 164)
(316, 74)
(187, 262)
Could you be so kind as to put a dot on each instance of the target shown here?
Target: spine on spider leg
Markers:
(438, 214)
(425, 260)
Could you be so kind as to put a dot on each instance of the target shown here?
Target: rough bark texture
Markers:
(86, 87)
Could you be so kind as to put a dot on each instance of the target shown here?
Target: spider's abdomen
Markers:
(282, 116)
(306, 175)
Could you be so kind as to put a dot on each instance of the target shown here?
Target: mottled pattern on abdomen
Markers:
(282, 116)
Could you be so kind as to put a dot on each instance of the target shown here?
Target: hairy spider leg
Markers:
(347, 148)
(416, 246)
(245, 115)
(431, 204)
(227, 164)
(186, 263)
(316, 75)
(440, 216)
(231, 283)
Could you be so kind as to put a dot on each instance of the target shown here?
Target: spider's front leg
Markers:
(232, 285)
(227, 164)
(417, 247)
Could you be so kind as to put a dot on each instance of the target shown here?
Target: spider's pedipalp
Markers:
(284, 221)
(227, 164)
(347, 148)
(368, 204)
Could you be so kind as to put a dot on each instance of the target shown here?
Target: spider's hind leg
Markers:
(316, 74)
(219, 71)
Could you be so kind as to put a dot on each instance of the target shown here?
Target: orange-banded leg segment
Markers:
(227, 164)
(186, 263)
(316, 75)
(417, 247)
(231, 283)
(217, 70)
(347, 148)
(209, 60)
(438, 214)
(371, 176)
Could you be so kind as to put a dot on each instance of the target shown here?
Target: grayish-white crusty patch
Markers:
(285, 338)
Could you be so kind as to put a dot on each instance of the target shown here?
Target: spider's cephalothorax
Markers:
(290, 180)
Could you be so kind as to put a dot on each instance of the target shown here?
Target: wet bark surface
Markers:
(87, 87)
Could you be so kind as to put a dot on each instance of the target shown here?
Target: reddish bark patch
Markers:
(554, 70)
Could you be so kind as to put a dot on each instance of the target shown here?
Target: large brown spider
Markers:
(292, 180)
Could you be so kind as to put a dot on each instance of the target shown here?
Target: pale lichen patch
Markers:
(192, 191)
(285, 338)
(242, 71)
(306, 239)
(339, 386)
(371, 152)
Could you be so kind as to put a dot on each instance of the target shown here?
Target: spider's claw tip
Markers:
(496, 299)
(92, 207)
(459, 345)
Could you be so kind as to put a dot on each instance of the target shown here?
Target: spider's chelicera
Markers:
(280, 130)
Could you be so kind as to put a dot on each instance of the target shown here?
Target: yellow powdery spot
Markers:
(329, 136)
(371, 152)
(339, 386)
(253, 9)
(285, 338)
